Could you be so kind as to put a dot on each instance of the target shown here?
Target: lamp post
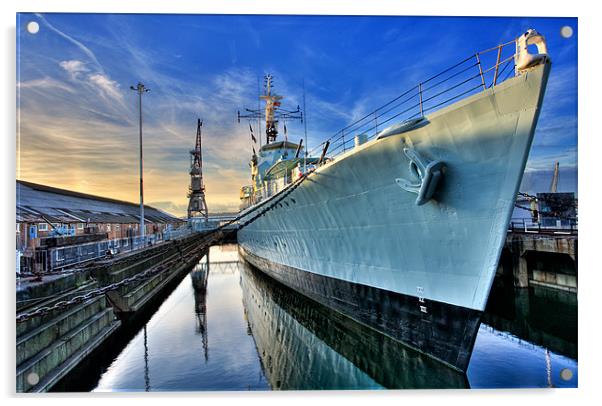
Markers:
(141, 89)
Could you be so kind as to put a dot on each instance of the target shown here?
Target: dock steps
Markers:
(37, 371)
(34, 341)
(138, 297)
(31, 324)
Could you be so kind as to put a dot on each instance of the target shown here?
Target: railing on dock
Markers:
(179, 232)
(478, 72)
(550, 226)
(58, 258)
(62, 257)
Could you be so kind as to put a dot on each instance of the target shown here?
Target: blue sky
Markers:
(78, 118)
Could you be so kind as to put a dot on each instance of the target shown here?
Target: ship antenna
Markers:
(305, 130)
(272, 112)
(259, 109)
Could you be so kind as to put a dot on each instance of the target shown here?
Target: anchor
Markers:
(428, 173)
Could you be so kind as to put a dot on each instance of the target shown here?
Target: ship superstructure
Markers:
(400, 222)
(278, 162)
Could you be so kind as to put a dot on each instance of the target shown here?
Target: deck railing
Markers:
(478, 72)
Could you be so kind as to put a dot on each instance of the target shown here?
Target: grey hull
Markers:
(351, 220)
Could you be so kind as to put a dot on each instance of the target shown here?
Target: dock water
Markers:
(73, 348)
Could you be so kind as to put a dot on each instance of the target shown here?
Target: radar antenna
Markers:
(272, 113)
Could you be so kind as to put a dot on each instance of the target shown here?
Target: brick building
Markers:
(44, 211)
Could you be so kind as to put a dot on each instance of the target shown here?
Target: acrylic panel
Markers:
(294, 202)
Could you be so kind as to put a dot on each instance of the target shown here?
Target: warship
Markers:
(401, 227)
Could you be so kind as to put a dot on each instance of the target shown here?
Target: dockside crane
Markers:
(554, 185)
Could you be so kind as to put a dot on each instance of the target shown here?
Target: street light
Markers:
(141, 89)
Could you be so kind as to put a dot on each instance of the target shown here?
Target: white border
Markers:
(589, 186)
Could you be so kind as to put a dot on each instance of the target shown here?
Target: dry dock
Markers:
(65, 316)
(541, 258)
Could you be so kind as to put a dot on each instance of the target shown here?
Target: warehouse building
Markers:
(44, 211)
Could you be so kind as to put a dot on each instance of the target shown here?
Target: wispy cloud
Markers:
(45, 83)
(107, 87)
(544, 159)
(78, 124)
(86, 141)
(69, 38)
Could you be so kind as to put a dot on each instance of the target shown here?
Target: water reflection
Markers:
(197, 340)
(227, 326)
(304, 345)
(528, 337)
(540, 315)
(199, 277)
(146, 376)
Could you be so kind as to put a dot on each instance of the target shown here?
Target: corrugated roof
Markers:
(38, 202)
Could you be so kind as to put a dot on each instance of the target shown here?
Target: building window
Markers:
(18, 228)
(117, 227)
(108, 227)
(43, 227)
(80, 226)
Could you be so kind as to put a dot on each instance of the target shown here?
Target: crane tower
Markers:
(197, 206)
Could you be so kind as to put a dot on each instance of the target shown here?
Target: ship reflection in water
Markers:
(229, 327)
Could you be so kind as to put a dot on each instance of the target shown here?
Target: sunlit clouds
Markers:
(78, 118)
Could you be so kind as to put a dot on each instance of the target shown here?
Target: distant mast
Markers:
(197, 206)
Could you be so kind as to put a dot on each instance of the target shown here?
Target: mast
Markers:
(272, 102)
(258, 109)
(272, 112)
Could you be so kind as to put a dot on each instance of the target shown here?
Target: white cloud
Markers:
(74, 68)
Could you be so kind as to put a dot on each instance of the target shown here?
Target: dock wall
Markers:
(541, 259)
(52, 343)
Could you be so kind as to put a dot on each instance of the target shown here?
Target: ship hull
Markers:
(335, 351)
(446, 332)
(350, 225)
